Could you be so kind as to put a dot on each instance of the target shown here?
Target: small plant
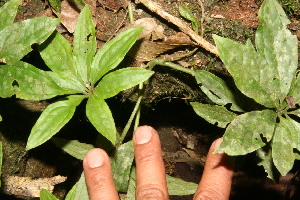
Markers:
(264, 122)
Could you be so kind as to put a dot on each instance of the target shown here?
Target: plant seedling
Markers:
(82, 73)
(267, 75)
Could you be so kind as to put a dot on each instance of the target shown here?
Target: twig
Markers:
(180, 24)
(202, 16)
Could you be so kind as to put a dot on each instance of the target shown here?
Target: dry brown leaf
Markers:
(29, 187)
(68, 15)
(114, 5)
(152, 31)
(152, 41)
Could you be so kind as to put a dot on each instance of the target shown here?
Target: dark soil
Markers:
(167, 111)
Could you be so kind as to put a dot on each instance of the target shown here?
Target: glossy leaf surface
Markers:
(73, 147)
(112, 53)
(56, 4)
(56, 51)
(8, 13)
(16, 39)
(52, 119)
(186, 13)
(120, 80)
(45, 195)
(27, 82)
(84, 43)
(101, 117)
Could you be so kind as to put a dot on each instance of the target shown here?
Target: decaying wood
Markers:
(27, 186)
(154, 7)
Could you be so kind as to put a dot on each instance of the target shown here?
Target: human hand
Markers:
(215, 183)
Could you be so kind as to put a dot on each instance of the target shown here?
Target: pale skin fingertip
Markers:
(216, 180)
(151, 178)
(98, 175)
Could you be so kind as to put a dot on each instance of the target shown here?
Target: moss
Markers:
(14, 155)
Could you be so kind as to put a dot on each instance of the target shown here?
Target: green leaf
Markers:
(295, 112)
(266, 74)
(217, 89)
(57, 54)
(68, 82)
(131, 185)
(120, 80)
(285, 140)
(52, 119)
(244, 64)
(121, 163)
(177, 186)
(186, 13)
(278, 47)
(16, 39)
(45, 195)
(56, 4)
(8, 13)
(112, 53)
(71, 193)
(101, 117)
(266, 162)
(27, 82)
(79, 2)
(81, 189)
(73, 147)
(84, 43)
(1, 158)
(295, 90)
(214, 114)
(0, 118)
(247, 132)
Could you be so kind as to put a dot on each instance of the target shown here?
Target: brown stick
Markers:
(181, 25)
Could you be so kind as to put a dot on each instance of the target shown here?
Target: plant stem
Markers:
(130, 13)
(133, 114)
(164, 62)
(138, 114)
(202, 17)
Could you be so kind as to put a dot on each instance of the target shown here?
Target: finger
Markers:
(98, 176)
(216, 180)
(150, 170)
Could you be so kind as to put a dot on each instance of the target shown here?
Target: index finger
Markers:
(150, 170)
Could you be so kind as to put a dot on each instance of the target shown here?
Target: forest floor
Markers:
(185, 137)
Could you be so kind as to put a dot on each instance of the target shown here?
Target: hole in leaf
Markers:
(263, 138)
(15, 83)
(88, 37)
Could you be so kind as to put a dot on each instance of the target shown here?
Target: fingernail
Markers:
(143, 134)
(95, 158)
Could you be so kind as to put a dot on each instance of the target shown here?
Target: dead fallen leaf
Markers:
(29, 187)
(68, 15)
(152, 41)
(113, 5)
(152, 31)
